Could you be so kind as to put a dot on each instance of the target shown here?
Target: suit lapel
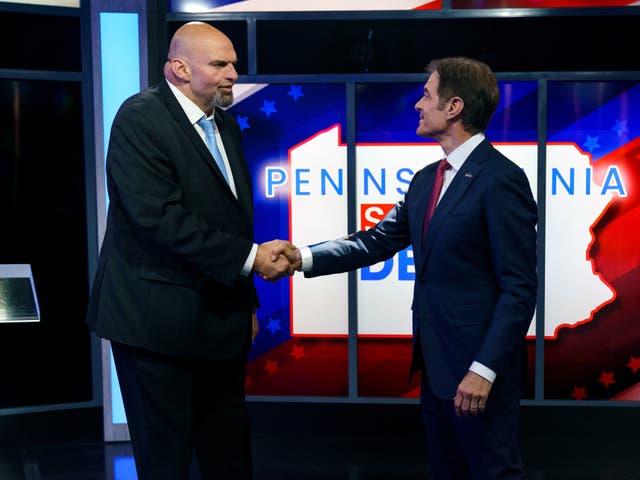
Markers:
(416, 215)
(423, 187)
(242, 183)
(461, 183)
(181, 119)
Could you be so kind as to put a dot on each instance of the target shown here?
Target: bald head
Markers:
(190, 37)
(201, 63)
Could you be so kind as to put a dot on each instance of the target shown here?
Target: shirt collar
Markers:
(193, 112)
(460, 154)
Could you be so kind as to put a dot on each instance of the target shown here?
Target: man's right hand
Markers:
(276, 259)
(291, 254)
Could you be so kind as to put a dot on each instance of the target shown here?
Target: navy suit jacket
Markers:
(177, 238)
(476, 281)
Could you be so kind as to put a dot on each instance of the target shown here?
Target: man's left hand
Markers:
(472, 394)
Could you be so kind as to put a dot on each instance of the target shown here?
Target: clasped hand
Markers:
(276, 259)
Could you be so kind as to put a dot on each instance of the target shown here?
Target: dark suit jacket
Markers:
(176, 240)
(476, 282)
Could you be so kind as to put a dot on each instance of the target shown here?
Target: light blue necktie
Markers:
(210, 138)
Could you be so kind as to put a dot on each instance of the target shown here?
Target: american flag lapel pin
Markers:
(468, 175)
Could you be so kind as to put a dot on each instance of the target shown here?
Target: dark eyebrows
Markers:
(223, 63)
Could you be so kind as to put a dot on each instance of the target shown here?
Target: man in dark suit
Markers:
(174, 290)
(476, 282)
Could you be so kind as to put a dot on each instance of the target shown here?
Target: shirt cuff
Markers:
(484, 372)
(307, 259)
(248, 265)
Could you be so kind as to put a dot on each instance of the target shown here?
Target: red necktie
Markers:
(435, 193)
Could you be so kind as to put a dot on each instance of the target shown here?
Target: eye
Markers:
(221, 64)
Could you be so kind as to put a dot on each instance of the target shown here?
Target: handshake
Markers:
(277, 259)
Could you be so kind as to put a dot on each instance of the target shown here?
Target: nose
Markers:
(231, 72)
(417, 105)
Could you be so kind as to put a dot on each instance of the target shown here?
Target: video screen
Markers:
(294, 137)
(288, 132)
(188, 6)
(592, 267)
(203, 6)
(540, 3)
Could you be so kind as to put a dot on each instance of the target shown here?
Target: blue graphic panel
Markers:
(599, 117)
(386, 113)
(274, 119)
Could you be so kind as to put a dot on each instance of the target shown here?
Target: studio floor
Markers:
(355, 443)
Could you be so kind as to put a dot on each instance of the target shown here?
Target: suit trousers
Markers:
(483, 447)
(177, 407)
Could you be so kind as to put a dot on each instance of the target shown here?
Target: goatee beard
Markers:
(223, 100)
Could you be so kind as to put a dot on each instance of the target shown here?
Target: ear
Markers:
(455, 107)
(181, 69)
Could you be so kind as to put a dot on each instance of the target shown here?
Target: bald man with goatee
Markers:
(174, 289)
